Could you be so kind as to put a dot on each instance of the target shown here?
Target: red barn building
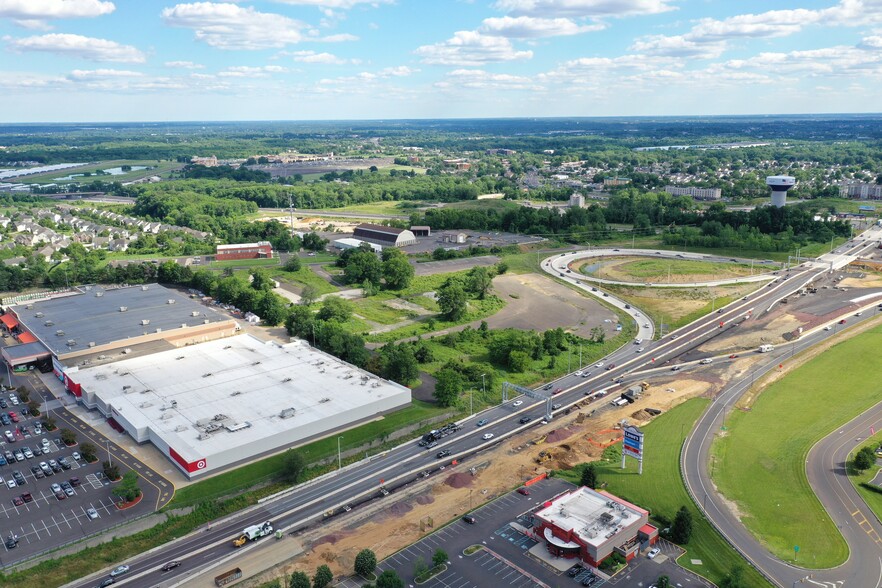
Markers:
(590, 525)
(259, 250)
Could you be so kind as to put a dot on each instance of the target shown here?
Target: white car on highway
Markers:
(598, 364)
(487, 436)
(517, 403)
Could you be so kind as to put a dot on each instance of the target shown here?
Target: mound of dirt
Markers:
(425, 499)
(331, 538)
(559, 435)
(460, 480)
(399, 509)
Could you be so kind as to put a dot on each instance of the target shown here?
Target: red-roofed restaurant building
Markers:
(590, 525)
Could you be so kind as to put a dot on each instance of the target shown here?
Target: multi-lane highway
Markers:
(308, 504)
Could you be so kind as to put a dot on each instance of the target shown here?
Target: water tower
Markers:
(779, 186)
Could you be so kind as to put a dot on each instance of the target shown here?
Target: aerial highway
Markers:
(372, 478)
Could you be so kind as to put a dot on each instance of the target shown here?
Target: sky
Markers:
(157, 60)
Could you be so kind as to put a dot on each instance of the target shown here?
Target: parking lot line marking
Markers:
(35, 530)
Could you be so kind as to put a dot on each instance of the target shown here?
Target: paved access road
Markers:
(308, 503)
(825, 467)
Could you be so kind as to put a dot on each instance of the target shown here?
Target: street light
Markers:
(483, 390)
(339, 455)
(109, 459)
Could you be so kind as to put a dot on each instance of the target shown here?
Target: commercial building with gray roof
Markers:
(92, 319)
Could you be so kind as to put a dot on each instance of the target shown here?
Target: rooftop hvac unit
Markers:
(71, 342)
(183, 325)
(127, 387)
(323, 400)
(204, 437)
(91, 344)
(100, 357)
(123, 308)
(59, 333)
(194, 313)
(144, 288)
(236, 393)
(100, 376)
(174, 403)
(158, 329)
(145, 405)
(170, 301)
(205, 322)
(39, 315)
(48, 324)
(127, 350)
(145, 321)
(180, 357)
(29, 306)
(180, 429)
(167, 415)
(286, 380)
(99, 294)
(287, 413)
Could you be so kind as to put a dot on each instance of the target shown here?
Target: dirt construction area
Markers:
(537, 303)
(394, 523)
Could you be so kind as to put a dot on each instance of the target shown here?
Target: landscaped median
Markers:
(760, 461)
(661, 490)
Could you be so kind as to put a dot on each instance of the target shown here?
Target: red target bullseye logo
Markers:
(200, 465)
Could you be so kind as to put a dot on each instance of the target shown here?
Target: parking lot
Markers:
(504, 561)
(49, 495)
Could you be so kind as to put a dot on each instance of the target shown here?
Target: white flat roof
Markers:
(594, 516)
(179, 395)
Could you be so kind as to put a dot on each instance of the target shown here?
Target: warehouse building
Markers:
(350, 243)
(590, 525)
(225, 402)
(386, 236)
(259, 250)
(92, 322)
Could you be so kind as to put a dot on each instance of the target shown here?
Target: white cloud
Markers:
(583, 8)
(709, 37)
(524, 27)
(399, 71)
(227, 26)
(587, 70)
(92, 74)
(79, 46)
(471, 48)
(677, 46)
(244, 71)
(874, 42)
(27, 10)
(313, 57)
(341, 4)
(835, 61)
(480, 79)
(338, 38)
(184, 65)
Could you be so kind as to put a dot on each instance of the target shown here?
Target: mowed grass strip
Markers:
(760, 462)
(661, 490)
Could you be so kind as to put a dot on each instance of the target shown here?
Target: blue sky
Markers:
(133, 60)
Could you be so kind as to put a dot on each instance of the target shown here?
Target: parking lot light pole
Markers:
(109, 457)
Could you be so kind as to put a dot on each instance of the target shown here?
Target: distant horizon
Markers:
(461, 118)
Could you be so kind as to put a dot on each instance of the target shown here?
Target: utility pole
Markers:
(580, 356)
(483, 390)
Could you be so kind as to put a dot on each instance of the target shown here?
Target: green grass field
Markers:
(661, 490)
(244, 263)
(478, 309)
(766, 447)
(305, 277)
(374, 310)
(658, 270)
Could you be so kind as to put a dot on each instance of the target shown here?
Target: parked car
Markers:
(92, 513)
(75, 481)
(469, 519)
(19, 478)
(27, 497)
(653, 552)
(523, 491)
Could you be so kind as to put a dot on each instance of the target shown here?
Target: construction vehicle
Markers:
(543, 457)
(253, 533)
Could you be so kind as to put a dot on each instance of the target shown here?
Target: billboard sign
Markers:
(632, 443)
